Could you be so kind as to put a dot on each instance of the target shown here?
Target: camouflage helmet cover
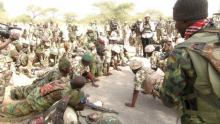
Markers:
(64, 63)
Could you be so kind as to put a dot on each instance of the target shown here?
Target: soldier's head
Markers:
(87, 59)
(135, 65)
(147, 17)
(14, 55)
(64, 65)
(186, 12)
(78, 82)
(108, 120)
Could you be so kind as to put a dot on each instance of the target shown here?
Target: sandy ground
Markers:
(117, 89)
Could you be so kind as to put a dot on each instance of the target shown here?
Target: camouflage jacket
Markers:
(41, 98)
(179, 77)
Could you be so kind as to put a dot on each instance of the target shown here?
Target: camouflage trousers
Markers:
(18, 109)
(4, 82)
(96, 68)
(22, 92)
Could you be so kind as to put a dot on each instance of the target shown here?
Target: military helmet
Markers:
(135, 64)
(108, 120)
(149, 48)
(64, 63)
(87, 57)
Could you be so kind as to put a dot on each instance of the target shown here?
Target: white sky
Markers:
(84, 7)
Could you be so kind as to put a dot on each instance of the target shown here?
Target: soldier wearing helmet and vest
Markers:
(192, 73)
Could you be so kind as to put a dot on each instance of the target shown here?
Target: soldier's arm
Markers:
(179, 70)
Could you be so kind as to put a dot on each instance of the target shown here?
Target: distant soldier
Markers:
(136, 35)
(146, 32)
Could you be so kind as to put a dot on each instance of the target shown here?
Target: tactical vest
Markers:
(207, 84)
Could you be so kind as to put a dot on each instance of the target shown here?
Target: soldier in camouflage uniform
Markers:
(184, 87)
(59, 73)
(142, 74)
(42, 97)
(82, 68)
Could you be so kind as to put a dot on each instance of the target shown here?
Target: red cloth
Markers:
(196, 26)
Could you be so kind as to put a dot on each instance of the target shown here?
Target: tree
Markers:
(109, 10)
(23, 18)
(70, 17)
(3, 14)
(51, 12)
(35, 11)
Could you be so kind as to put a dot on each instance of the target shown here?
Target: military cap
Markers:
(135, 64)
(149, 48)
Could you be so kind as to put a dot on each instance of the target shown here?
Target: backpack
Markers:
(204, 50)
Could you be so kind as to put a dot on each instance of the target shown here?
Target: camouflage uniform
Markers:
(141, 76)
(41, 98)
(23, 91)
(155, 60)
(175, 79)
(79, 68)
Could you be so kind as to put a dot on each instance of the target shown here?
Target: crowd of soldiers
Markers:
(62, 60)
(47, 53)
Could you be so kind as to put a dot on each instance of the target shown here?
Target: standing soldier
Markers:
(146, 32)
(192, 73)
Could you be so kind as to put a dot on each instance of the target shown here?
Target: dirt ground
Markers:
(117, 89)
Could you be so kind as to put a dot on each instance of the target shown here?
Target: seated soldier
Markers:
(82, 68)
(42, 97)
(143, 76)
(62, 71)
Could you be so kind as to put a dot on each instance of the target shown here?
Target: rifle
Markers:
(98, 108)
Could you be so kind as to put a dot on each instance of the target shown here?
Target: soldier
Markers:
(42, 97)
(82, 68)
(142, 75)
(188, 83)
(126, 33)
(61, 72)
(136, 34)
(146, 32)
(154, 56)
(159, 29)
(91, 37)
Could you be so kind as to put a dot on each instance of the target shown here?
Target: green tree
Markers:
(52, 12)
(109, 10)
(23, 18)
(35, 11)
(3, 16)
(70, 17)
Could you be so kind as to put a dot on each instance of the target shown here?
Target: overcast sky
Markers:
(84, 7)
